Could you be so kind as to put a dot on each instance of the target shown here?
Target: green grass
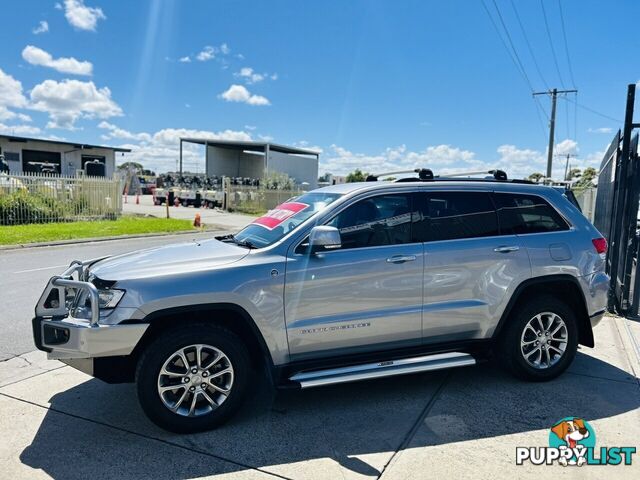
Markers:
(127, 225)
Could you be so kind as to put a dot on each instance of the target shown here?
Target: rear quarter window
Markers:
(521, 214)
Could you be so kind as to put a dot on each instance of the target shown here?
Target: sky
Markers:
(375, 85)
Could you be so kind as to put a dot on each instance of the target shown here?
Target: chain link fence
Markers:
(41, 198)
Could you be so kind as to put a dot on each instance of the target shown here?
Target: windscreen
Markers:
(276, 223)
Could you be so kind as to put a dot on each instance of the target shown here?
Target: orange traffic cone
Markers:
(196, 221)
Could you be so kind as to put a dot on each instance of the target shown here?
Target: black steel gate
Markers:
(617, 210)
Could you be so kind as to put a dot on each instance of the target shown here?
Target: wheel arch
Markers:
(231, 316)
(566, 288)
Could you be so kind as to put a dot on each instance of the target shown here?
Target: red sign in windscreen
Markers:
(275, 217)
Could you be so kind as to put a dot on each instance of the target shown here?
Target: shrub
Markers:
(22, 207)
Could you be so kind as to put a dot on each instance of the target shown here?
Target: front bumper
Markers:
(62, 336)
(76, 338)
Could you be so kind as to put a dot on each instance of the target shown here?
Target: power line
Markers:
(589, 109)
(566, 45)
(513, 55)
(553, 51)
(526, 39)
(513, 48)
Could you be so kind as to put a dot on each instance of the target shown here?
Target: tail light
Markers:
(600, 245)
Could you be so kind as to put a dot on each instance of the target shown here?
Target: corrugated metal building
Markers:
(256, 159)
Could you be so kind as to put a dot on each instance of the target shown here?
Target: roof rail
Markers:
(423, 174)
(497, 174)
(426, 175)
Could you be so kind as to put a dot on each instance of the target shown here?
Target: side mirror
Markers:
(324, 238)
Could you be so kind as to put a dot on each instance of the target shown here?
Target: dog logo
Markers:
(575, 435)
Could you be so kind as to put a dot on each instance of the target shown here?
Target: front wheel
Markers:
(193, 378)
(540, 340)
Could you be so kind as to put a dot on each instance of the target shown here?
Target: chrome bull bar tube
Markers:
(74, 266)
(88, 287)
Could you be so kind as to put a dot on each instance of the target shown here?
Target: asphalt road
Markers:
(24, 273)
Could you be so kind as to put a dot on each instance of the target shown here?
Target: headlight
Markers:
(109, 298)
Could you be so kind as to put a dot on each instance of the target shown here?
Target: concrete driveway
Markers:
(465, 423)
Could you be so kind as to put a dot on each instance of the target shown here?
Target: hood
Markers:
(168, 260)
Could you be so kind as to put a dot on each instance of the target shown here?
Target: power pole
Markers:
(566, 166)
(552, 123)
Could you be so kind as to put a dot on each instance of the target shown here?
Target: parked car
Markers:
(347, 282)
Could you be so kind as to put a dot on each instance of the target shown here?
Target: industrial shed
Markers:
(24, 154)
(255, 159)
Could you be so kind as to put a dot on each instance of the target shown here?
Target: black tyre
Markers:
(198, 395)
(540, 339)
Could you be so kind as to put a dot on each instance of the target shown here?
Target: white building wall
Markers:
(70, 158)
(301, 168)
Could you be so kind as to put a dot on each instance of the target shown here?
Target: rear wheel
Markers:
(540, 340)
(193, 378)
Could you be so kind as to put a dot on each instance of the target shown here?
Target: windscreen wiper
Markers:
(232, 238)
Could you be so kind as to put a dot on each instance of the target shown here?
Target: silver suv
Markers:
(344, 283)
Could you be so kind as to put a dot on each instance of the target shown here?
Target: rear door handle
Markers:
(506, 249)
(401, 258)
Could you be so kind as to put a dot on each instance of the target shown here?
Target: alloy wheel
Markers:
(544, 340)
(195, 380)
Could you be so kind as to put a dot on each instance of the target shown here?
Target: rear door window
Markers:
(454, 215)
(521, 214)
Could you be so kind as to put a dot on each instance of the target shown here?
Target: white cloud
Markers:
(447, 159)
(19, 129)
(250, 76)
(600, 130)
(341, 161)
(37, 56)
(43, 27)
(11, 96)
(239, 93)
(207, 53)
(186, 59)
(250, 127)
(6, 114)
(565, 147)
(80, 16)
(69, 100)
(116, 132)
(224, 48)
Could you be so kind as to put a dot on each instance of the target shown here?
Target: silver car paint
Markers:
(214, 272)
(467, 286)
(373, 300)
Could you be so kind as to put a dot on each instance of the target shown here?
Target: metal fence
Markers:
(42, 198)
(587, 200)
(255, 200)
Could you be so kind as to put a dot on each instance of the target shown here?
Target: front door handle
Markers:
(401, 258)
(506, 249)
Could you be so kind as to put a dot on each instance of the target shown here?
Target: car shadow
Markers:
(359, 425)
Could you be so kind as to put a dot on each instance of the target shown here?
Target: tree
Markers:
(587, 179)
(357, 176)
(137, 168)
(535, 177)
(325, 177)
(574, 173)
(135, 165)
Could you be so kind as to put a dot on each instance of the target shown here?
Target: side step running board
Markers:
(382, 369)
